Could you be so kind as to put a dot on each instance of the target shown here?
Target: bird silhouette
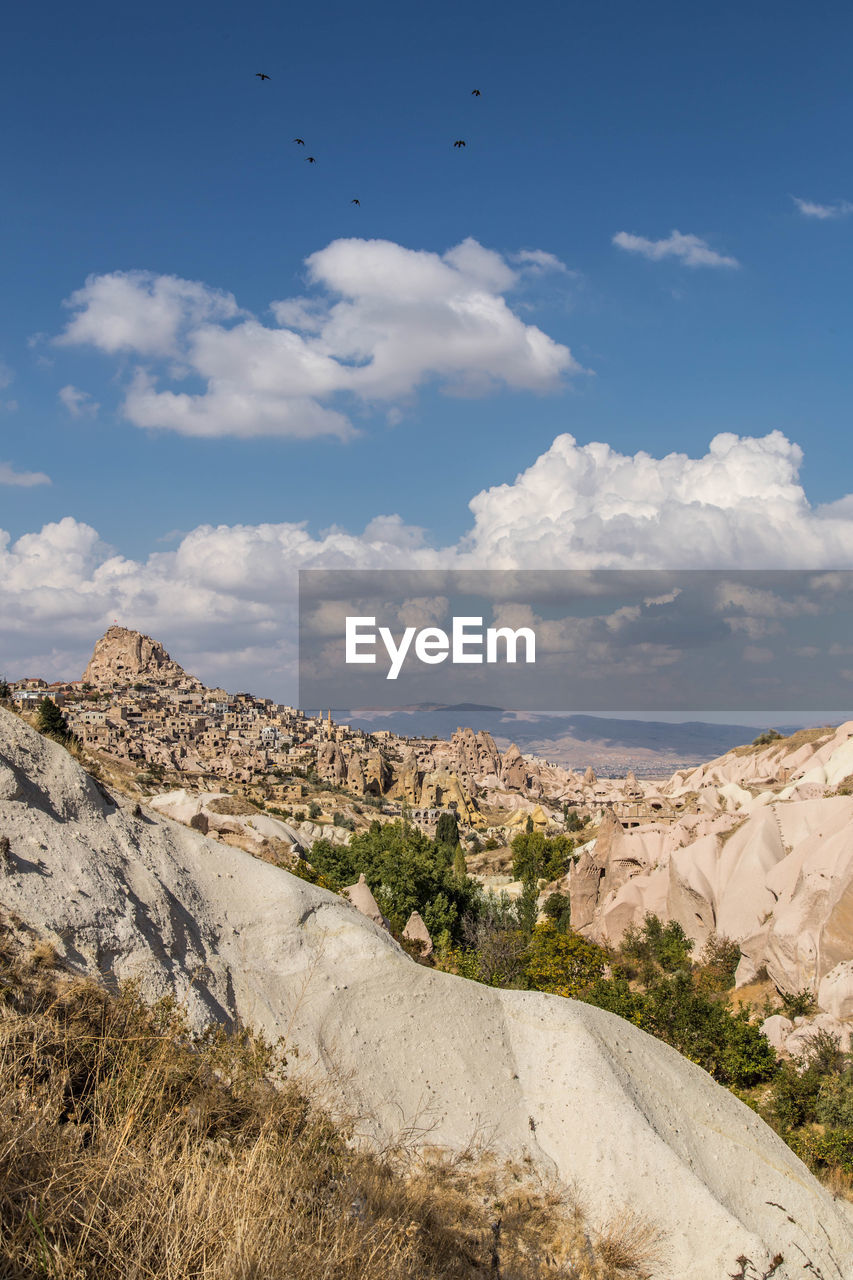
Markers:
(260, 75)
(310, 160)
(355, 202)
(300, 141)
(460, 142)
(475, 93)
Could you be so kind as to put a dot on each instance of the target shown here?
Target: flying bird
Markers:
(355, 202)
(475, 93)
(300, 141)
(310, 160)
(260, 75)
(460, 142)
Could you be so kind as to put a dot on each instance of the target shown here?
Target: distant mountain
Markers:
(570, 740)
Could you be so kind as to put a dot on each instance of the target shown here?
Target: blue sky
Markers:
(143, 142)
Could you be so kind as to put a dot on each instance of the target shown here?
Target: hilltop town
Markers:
(136, 710)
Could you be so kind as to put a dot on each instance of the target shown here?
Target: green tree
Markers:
(655, 946)
(563, 963)
(51, 722)
(405, 870)
(535, 855)
(572, 819)
(726, 1044)
(527, 908)
(5, 691)
(558, 908)
(447, 830)
(460, 870)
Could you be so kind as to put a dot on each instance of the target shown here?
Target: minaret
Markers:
(329, 725)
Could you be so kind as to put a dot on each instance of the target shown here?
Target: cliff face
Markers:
(122, 657)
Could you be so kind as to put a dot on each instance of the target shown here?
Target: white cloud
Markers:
(587, 506)
(223, 599)
(538, 261)
(6, 375)
(809, 209)
(140, 313)
(387, 321)
(21, 479)
(689, 249)
(78, 403)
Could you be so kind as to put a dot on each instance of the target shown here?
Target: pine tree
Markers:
(460, 870)
(527, 909)
(447, 829)
(51, 722)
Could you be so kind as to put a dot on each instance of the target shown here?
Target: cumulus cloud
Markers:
(78, 403)
(223, 599)
(588, 506)
(809, 209)
(140, 313)
(688, 249)
(21, 479)
(385, 321)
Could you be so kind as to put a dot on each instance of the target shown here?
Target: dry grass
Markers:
(784, 746)
(131, 1150)
(235, 806)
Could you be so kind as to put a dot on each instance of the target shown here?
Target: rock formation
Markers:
(578, 1093)
(514, 769)
(363, 900)
(123, 657)
(416, 931)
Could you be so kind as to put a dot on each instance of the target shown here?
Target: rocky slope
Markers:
(412, 1051)
(767, 861)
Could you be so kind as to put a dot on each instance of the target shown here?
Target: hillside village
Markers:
(134, 706)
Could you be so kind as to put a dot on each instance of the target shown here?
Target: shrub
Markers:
(563, 963)
(798, 1004)
(536, 856)
(719, 961)
(558, 908)
(656, 945)
(729, 1046)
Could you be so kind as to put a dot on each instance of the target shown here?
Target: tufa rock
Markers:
(363, 900)
(124, 657)
(416, 931)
